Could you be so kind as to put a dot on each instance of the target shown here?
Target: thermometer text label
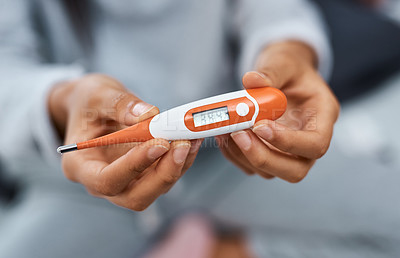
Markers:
(211, 116)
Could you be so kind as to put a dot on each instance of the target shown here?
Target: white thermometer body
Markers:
(208, 117)
(200, 119)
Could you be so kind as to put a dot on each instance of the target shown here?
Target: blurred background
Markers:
(351, 196)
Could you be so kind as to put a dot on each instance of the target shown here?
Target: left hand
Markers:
(290, 146)
(131, 175)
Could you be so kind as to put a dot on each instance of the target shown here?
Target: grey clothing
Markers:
(168, 52)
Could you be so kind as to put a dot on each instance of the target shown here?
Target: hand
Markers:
(130, 175)
(288, 147)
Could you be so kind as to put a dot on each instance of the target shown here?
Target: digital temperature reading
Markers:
(217, 115)
(210, 116)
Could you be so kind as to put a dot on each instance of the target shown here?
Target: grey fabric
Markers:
(167, 52)
(53, 219)
(346, 207)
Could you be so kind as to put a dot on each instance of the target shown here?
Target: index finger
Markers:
(139, 195)
(306, 142)
(111, 179)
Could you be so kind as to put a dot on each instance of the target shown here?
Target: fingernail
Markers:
(195, 146)
(266, 79)
(141, 108)
(242, 139)
(156, 151)
(264, 131)
(261, 75)
(180, 153)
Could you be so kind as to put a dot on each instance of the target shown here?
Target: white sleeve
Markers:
(261, 22)
(26, 132)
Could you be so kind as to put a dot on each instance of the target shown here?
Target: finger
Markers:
(194, 149)
(111, 179)
(232, 152)
(255, 79)
(94, 193)
(309, 144)
(155, 183)
(124, 107)
(287, 167)
(279, 63)
(311, 137)
(235, 159)
(267, 76)
(105, 97)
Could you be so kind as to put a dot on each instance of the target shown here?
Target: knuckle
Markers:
(322, 150)
(260, 162)
(137, 168)
(91, 82)
(97, 79)
(318, 146)
(119, 99)
(283, 143)
(136, 205)
(93, 193)
(336, 107)
(266, 176)
(68, 173)
(272, 74)
(90, 96)
(187, 166)
(169, 179)
(70, 176)
(288, 147)
(105, 188)
(298, 176)
(90, 87)
(167, 189)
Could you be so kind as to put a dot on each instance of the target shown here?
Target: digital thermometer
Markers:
(212, 116)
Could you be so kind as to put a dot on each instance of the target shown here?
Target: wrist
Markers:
(57, 105)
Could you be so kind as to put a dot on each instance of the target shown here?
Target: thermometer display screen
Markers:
(210, 116)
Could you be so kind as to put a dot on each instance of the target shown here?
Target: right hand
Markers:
(129, 175)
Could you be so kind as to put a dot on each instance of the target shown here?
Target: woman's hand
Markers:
(288, 147)
(130, 175)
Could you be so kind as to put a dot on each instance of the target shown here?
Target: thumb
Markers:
(256, 80)
(272, 75)
(275, 68)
